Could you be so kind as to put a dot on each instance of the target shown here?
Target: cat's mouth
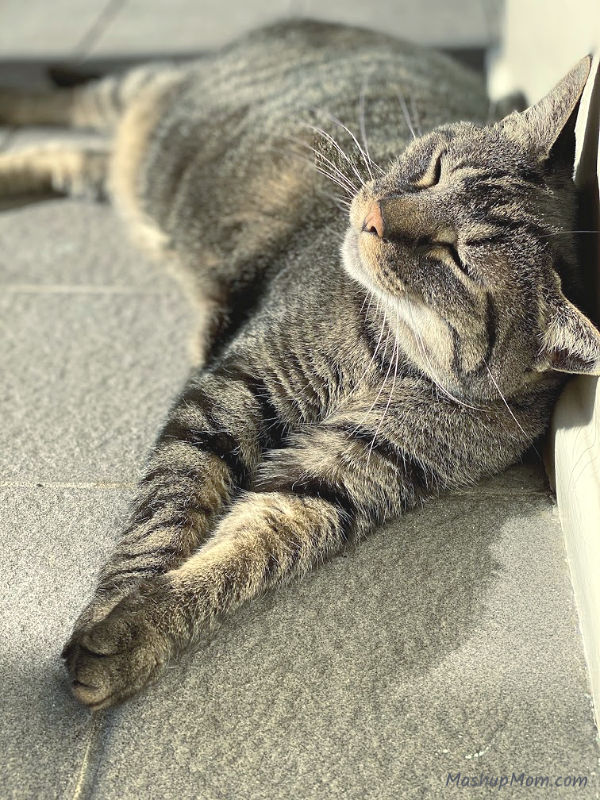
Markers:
(351, 256)
(362, 266)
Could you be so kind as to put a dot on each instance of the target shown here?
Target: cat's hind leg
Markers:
(97, 105)
(75, 169)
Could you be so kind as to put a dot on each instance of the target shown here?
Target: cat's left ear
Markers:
(570, 343)
(548, 127)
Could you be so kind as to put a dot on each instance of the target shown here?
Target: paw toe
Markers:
(112, 659)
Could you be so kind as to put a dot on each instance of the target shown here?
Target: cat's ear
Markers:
(548, 127)
(570, 343)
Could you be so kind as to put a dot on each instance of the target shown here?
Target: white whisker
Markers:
(333, 179)
(336, 144)
(361, 117)
(387, 375)
(363, 131)
(416, 115)
(510, 411)
(354, 139)
(404, 108)
(336, 170)
(564, 232)
(386, 409)
(339, 202)
(358, 382)
(352, 189)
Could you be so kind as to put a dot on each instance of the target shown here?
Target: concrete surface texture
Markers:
(447, 643)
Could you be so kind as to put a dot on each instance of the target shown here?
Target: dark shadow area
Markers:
(589, 209)
(70, 73)
(23, 200)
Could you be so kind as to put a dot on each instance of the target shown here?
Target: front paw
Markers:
(112, 658)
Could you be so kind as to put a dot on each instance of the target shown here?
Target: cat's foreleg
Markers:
(47, 106)
(209, 448)
(309, 500)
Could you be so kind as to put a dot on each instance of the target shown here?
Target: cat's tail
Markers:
(97, 105)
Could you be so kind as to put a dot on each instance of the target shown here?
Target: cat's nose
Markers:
(373, 222)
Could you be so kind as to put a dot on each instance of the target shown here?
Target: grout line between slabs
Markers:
(66, 485)
(509, 492)
(89, 764)
(84, 776)
(116, 485)
(97, 29)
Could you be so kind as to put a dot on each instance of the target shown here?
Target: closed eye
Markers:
(445, 251)
(437, 170)
(453, 253)
(433, 173)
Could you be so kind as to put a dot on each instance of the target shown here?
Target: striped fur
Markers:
(349, 372)
(79, 171)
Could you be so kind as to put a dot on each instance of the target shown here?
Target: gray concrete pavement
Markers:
(108, 28)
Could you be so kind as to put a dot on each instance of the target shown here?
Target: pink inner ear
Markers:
(559, 357)
(566, 360)
(571, 342)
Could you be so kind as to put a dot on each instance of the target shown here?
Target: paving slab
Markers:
(445, 643)
(52, 542)
(38, 251)
(39, 29)
(188, 26)
(94, 346)
(76, 29)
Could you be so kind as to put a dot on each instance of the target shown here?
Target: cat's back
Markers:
(305, 65)
(234, 120)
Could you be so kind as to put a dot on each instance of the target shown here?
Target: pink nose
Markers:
(374, 221)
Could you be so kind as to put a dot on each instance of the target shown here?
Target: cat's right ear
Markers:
(571, 343)
(548, 127)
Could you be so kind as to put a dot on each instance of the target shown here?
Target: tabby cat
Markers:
(381, 312)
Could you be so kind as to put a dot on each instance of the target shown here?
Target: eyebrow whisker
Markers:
(404, 108)
(354, 139)
(415, 115)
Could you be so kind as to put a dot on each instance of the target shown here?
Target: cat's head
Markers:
(465, 241)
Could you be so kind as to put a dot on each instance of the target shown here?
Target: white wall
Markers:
(540, 40)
